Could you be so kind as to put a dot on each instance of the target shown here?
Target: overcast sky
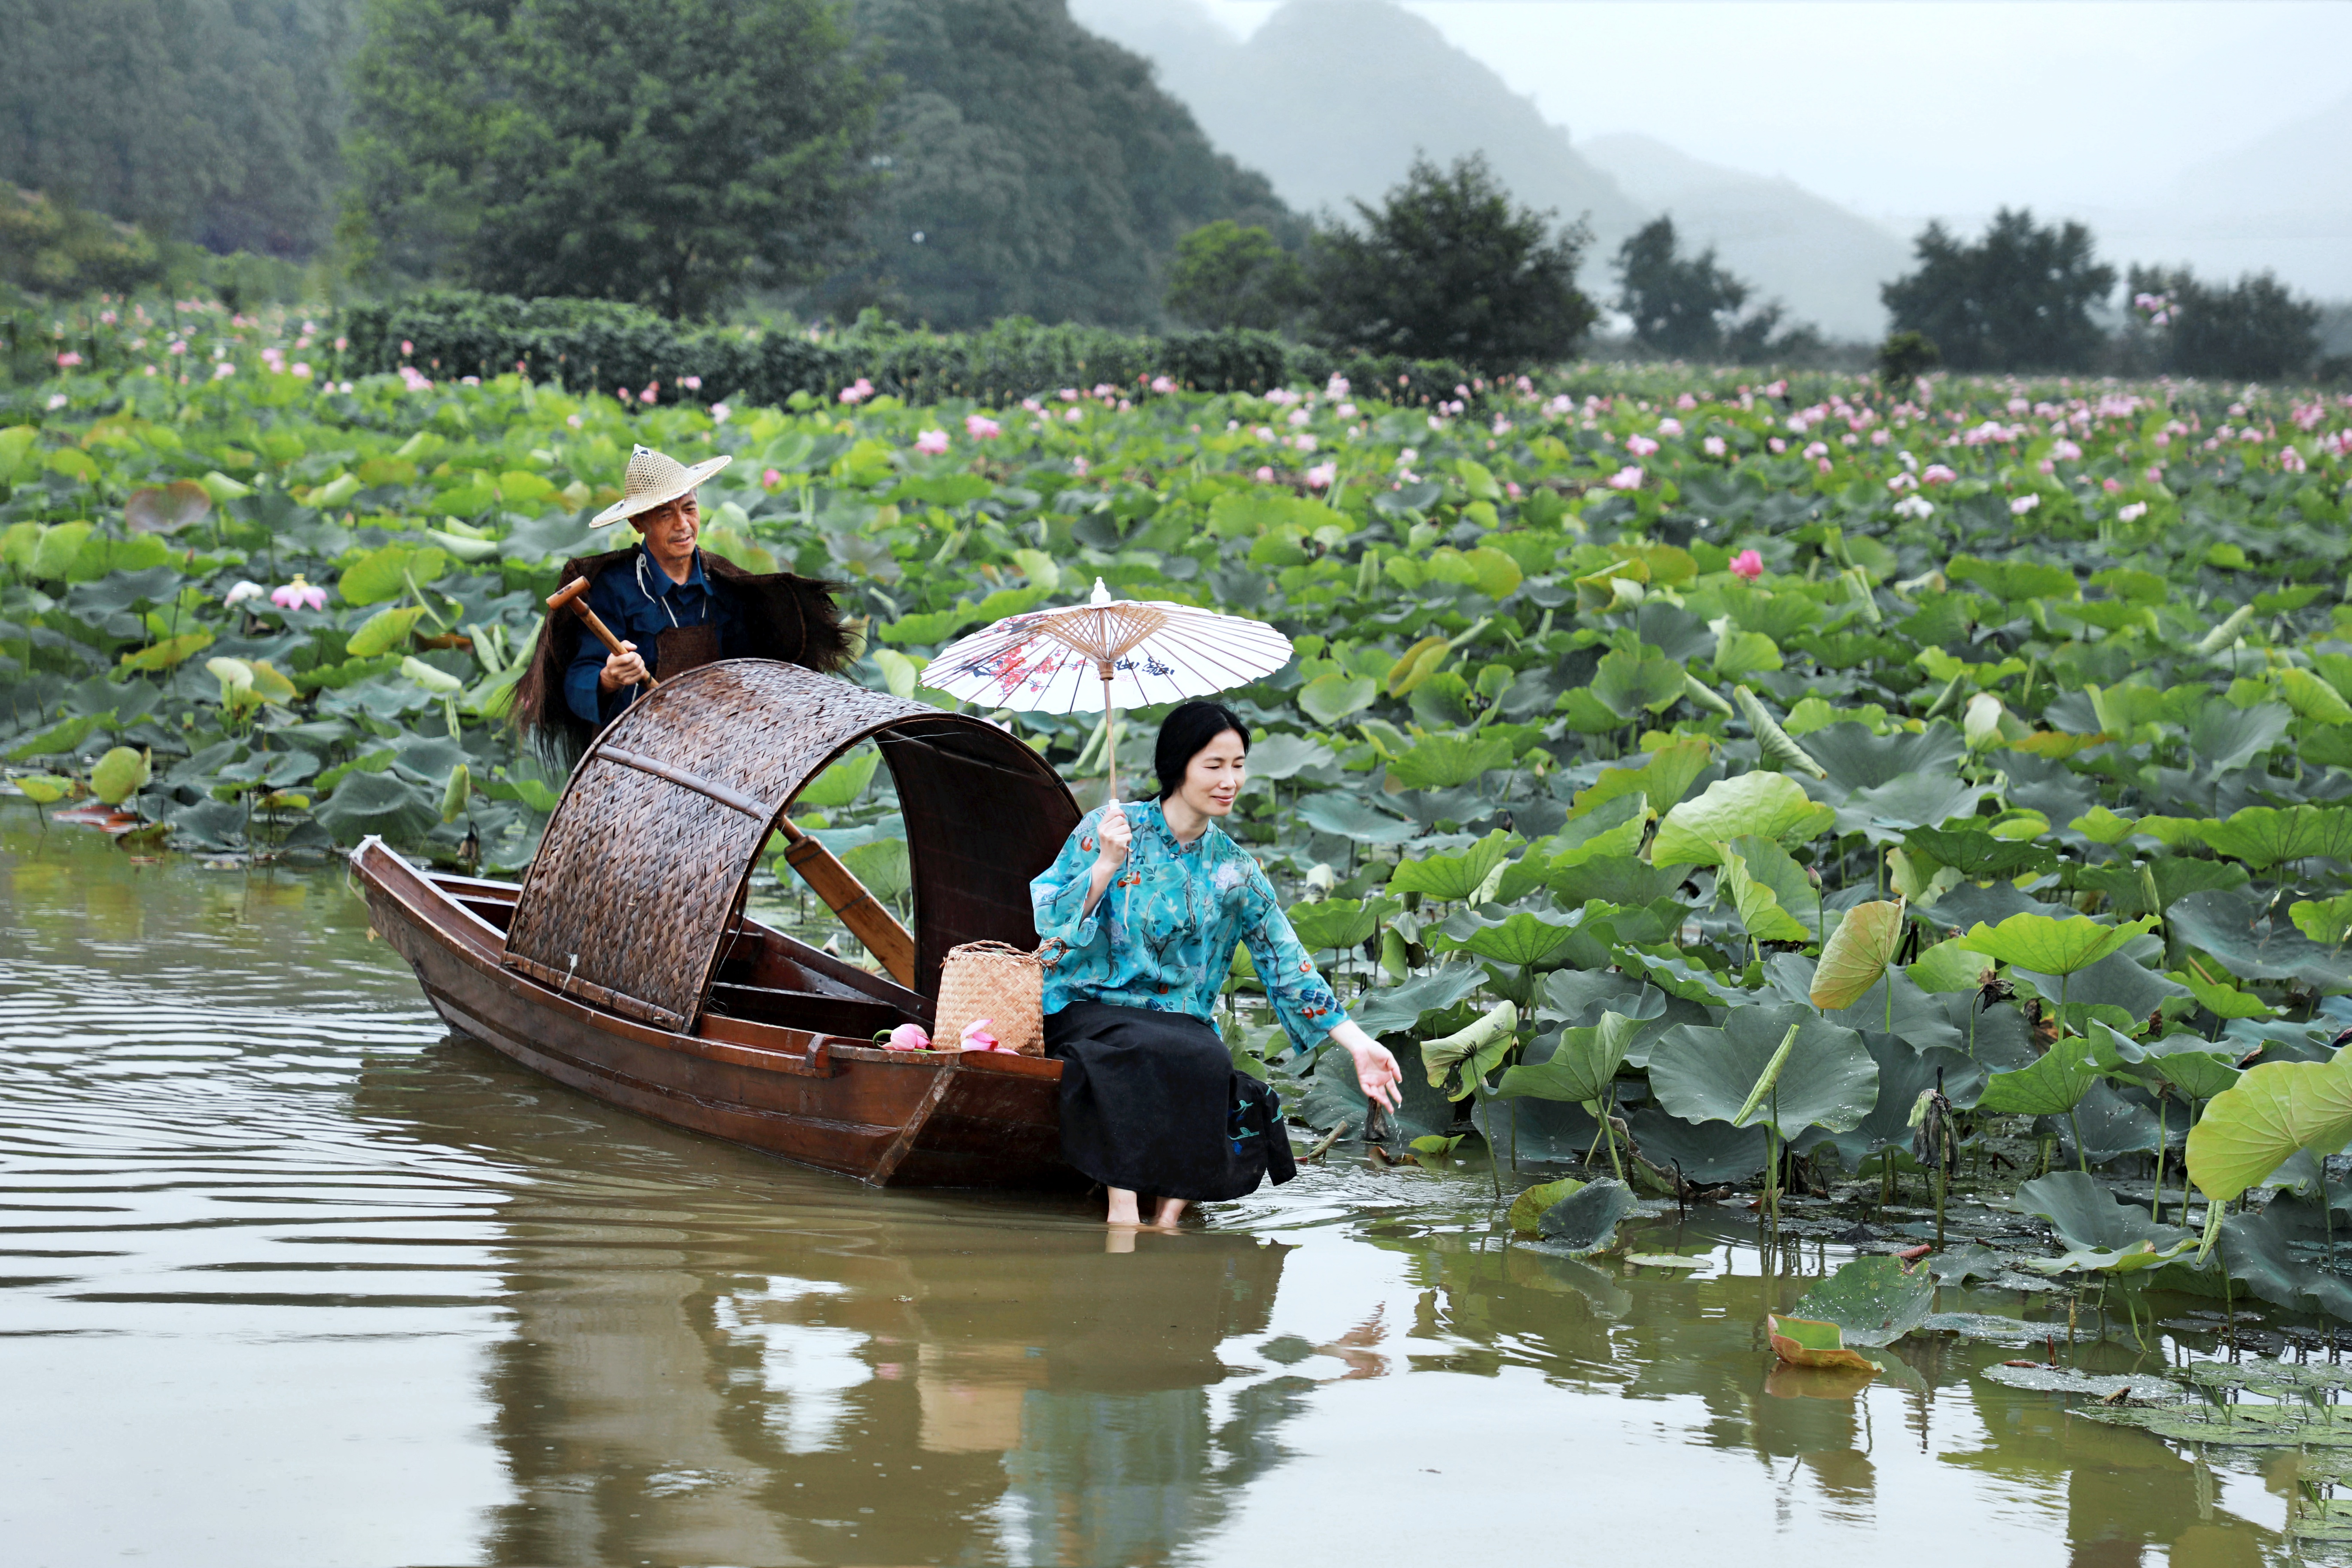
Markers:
(1904, 108)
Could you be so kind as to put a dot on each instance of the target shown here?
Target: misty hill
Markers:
(1332, 97)
(1037, 169)
(1823, 262)
(2280, 202)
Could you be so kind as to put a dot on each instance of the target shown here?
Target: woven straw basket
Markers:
(1001, 983)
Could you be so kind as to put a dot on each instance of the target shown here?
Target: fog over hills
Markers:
(1330, 98)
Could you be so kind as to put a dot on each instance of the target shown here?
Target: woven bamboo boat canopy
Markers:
(646, 860)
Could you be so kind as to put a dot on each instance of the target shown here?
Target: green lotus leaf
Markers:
(2053, 1085)
(883, 866)
(1827, 1079)
(2048, 945)
(1680, 976)
(1586, 1220)
(1778, 751)
(2200, 1075)
(166, 509)
(1630, 685)
(121, 773)
(386, 574)
(2087, 1216)
(1403, 1006)
(1885, 813)
(1523, 938)
(1350, 817)
(842, 782)
(1340, 923)
(2325, 920)
(382, 632)
(2240, 928)
(1581, 1068)
(1280, 757)
(1768, 806)
(1478, 1047)
(1978, 856)
(1332, 697)
(1949, 967)
(1873, 1300)
(1456, 877)
(1762, 883)
(43, 789)
(1855, 957)
(1445, 762)
(1530, 1205)
(2274, 1110)
(380, 803)
(2263, 835)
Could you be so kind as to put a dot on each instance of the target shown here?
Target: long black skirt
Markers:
(1151, 1102)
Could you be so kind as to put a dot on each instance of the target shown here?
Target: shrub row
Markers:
(597, 345)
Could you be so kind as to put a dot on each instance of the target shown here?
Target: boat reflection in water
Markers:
(716, 1357)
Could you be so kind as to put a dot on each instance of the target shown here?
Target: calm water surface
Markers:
(289, 1277)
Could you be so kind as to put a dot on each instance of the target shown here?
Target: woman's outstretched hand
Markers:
(1376, 1069)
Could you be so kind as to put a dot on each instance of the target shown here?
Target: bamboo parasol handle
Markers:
(573, 594)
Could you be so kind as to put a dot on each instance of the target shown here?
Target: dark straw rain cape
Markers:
(792, 619)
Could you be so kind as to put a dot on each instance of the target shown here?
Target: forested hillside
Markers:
(210, 120)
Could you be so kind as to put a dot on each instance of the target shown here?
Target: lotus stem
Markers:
(2156, 1199)
(2082, 1157)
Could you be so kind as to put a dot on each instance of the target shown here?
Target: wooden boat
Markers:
(624, 966)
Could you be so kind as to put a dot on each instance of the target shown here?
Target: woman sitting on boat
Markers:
(1142, 911)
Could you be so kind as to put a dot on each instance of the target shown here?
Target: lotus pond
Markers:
(1842, 818)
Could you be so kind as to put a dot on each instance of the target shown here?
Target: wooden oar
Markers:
(833, 882)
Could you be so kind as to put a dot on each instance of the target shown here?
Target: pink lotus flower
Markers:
(2021, 505)
(1714, 446)
(1748, 563)
(2133, 512)
(222, 371)
(908, 1037)
(1671, 427)
(858, 391)
(1264, 476)
(652, 393)
(68, 360)
(932, 443)
(691, 383)
(976, 1037)
(771, 478)
(1640, 446)
(1323, 476)
(1078, 467)
(1626, 479)
(2155, 474)
(298, 596)
(1511, 488)
(1936, 474)
(2111, 485)
(1777, 445)
(406, 347)
(1161, 384)
(241, 592)
(720, 414)
(980, 427)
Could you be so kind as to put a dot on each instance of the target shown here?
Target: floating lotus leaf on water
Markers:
(1531, 1206)
(2098, 1231)
(1586, 1220)
(1819, 1345)
(2228, 1426)
(1873, 1300)
(1768, 806)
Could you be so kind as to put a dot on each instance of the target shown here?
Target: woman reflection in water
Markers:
(1139, 916)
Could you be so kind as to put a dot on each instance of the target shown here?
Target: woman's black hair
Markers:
(1185, 734)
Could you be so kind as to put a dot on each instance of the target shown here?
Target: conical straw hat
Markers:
(655, 479)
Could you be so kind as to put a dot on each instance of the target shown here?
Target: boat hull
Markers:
(894, 1118)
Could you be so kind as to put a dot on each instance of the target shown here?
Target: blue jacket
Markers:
(1162, 936)
(638, 601)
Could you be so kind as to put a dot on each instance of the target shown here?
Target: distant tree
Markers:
(2018, 298)
(668, 153)
(1680, 305)
(2255, 329)
(1031, 168)
(1447, 268)
(54, 248)
(1906, 356)
(1228, 275)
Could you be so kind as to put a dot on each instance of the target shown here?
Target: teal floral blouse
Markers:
(1164, 935)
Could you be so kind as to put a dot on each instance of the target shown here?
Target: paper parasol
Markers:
(1106, 654)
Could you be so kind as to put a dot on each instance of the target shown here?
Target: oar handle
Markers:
(573, 594)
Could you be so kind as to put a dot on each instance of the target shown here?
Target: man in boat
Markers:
(674, 608)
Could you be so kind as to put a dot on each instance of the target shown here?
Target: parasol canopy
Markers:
(1107, 654)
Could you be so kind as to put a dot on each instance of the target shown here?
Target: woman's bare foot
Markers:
(1170, 1211)
(1122, 1208)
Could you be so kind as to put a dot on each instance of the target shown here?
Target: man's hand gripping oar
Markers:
(872, 924)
